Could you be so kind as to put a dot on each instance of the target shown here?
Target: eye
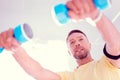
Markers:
(80, 39)
(72, 42)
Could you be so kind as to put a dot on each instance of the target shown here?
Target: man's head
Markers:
(78, 45)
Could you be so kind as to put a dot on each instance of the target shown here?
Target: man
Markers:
(79, 47)
(107, 68)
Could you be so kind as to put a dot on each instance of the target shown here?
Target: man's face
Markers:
(79, 45)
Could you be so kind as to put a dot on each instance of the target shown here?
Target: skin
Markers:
(81, 9)
(79, 47)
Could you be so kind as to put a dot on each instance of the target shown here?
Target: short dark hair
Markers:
(75, 31)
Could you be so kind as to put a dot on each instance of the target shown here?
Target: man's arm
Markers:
(81, 9)
(112, 38)
(31, 66)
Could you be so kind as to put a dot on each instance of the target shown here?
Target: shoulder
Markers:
(104, 62)
(66, 75)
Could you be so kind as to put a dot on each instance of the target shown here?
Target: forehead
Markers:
(75, 35)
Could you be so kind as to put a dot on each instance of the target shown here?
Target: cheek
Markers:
(86, 45)
(71, 49)
(89, 46)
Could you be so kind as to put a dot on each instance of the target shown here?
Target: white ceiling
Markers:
(37, 13)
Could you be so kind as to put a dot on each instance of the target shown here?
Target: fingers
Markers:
(8, 43)
(70, 5)
(75, 9)
(73, 15)
(1, 41)
(80, 8)
(79, 5)
(11, 44)
(9, 39)
(10, 32)
(91, 4)
(75, 6)
(3, 38)
(6, 39)
(86, 6)
(15, 45)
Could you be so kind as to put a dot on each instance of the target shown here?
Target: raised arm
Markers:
(81, 9)
(31, 66)
(112, 38)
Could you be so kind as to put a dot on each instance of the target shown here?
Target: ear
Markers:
(90, 45)
(69, 52)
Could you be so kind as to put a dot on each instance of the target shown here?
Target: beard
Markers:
(80, 54)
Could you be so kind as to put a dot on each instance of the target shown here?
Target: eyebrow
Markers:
(71, 40)
(77, 37)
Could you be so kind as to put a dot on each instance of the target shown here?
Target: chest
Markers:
(95, 71)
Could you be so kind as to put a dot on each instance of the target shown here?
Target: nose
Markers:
(77, 44)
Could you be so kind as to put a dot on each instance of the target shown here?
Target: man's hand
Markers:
(81, 9)
(8, 41)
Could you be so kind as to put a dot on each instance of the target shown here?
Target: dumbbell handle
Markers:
(22, 33)
(2, 48)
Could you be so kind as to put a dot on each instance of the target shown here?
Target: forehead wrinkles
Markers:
(75, 35)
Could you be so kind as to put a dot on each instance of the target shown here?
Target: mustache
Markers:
(78, 49)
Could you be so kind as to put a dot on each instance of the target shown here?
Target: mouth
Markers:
(79, 50)
(80, 54)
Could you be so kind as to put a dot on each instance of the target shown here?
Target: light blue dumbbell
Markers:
(61, 11)
(22, 34)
